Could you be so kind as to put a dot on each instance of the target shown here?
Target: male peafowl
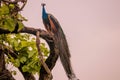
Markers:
(54, 28)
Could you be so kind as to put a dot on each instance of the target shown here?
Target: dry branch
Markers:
(49, 77)
(15, 2)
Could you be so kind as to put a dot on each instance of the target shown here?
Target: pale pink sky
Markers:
(92, 28)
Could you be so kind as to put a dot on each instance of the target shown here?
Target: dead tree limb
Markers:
(49, 76)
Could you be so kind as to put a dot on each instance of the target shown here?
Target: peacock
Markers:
(53, 27)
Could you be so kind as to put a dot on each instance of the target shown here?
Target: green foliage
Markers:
(4, 10)
(9, 18)
(9, 23)
(25, 47)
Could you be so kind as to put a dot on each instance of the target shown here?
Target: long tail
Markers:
(65, 54)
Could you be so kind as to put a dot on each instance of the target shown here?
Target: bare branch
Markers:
(24, 3)
(13, 2)
(41, 57)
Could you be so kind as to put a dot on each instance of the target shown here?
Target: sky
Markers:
(92, 28)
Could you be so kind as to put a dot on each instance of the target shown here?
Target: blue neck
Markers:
(44, 14)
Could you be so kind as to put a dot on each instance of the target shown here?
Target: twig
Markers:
(12, 2)
(15, 2)
(24, 3)
(41, 57)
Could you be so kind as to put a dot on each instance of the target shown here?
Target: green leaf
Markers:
(4, 9)
(24, 43)
(9, 23)
(11, 6)
(23, 59)
(25, 68)
(23, 50)
(21, 18)
(46, 52)
(15, 44)
(7, 60)
(17, 63)
(20, 24)
(37, 68)
(31, 53)
(44, 49)
(11, 58)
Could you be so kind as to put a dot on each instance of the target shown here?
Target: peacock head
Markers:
(43, 4)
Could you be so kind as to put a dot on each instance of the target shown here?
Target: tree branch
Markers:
(15, 2)
(12, 2)
(49, 77)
